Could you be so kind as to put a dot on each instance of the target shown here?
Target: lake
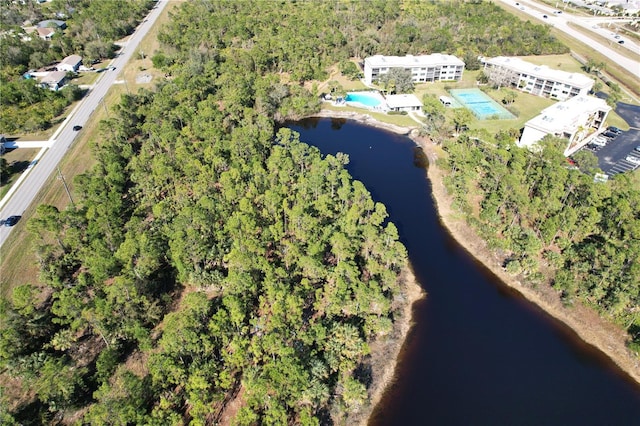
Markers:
(479, 354)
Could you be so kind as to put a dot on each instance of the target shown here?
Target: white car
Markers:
(599, 142)
(632, 159)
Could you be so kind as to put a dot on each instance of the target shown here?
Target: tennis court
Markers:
(481, 105)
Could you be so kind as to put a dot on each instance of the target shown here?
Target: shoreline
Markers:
(589, 327)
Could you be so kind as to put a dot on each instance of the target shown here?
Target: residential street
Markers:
(16, 202)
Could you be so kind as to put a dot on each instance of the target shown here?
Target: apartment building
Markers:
(538, 80)
(424, 68)
(578, 120)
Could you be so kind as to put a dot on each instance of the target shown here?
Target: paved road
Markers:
(64, 137)
(561, 22)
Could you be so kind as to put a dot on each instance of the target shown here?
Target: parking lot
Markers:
(619, 155)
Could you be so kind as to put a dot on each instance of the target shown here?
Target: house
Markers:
(70, 63)
(579, 120)
(538, 80)
(403, 102)
(424, 68)
(52, 23)
(45, 33)
(53, 80)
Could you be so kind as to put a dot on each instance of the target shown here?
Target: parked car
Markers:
(599, 142)
(610, 135)
(637, 148)
(11, 220)
(632, 159)
(614, 129)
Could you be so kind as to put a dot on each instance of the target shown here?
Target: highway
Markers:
(16, 202)
(561, 22)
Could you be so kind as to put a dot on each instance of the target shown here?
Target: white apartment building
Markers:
(538, 80)
(578, 120)
(424, 68)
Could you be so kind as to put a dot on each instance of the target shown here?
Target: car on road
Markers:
(614, 129)
(11, 220)
(617, 37)
(545, 16)
(77, 128)
(620, 41)
(632, 159)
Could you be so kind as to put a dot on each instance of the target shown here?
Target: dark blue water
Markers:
(479, 354)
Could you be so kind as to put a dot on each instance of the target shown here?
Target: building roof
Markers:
(45, 32)
(411, 61)
(53, 77)
(402, 101)
(50, 23)
(72, 60)
(541, 71)
(566, 115)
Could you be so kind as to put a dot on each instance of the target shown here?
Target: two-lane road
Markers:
(47, 164)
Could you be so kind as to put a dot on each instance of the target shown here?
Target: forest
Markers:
(212, 264)
(552, 222)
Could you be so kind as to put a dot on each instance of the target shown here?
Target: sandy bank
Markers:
(588, 326)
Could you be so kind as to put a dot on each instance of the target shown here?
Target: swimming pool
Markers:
(482, 106)
(368, 99)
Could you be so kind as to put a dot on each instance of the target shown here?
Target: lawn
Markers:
(17, 161)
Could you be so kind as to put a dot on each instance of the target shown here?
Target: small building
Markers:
(403, 102)
(579, 120)
(70, 64)
(45, 33)
(446, 101)
(53, 80)
(424, 68)
(539, 80)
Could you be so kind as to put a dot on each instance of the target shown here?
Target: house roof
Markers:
(45, 32)
(402, 101)
(541, 71)
(411, 61)
(53, 77)
(566, 115)
(50, 22)
(72, 60)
